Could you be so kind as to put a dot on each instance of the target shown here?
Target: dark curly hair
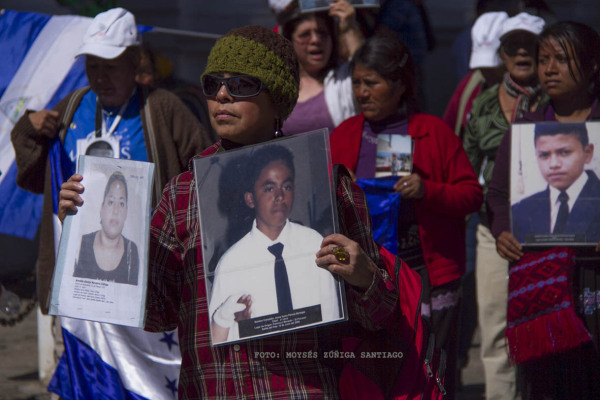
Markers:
(264, 156)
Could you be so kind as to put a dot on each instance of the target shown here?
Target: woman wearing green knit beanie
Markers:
(251, 84)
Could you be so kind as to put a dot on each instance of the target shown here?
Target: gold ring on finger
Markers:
(341, 254)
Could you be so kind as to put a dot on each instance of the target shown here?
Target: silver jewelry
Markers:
(278, 132)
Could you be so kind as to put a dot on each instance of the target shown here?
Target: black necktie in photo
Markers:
(563, 213)
(282, 284)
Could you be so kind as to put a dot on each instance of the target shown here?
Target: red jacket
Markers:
(451, 190)
(471, 85)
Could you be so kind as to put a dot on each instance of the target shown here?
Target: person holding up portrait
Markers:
(114, 115)
(177, 297)
(107, 254)
(568, 59)
(435, 198)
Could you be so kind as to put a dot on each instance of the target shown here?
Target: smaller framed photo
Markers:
(394, 155)
(307, 6)
(554, 185)
(101, 267)
(264, 211)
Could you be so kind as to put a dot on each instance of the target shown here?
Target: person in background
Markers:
(136, 122)
(491, 115)
(177, 293)
(436, 197)
(325, 97)
(156, 71)
(409, 20)
(148, 125)
(462, 45)
(487, 69)
(568, 68)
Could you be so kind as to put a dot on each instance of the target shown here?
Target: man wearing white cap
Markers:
(118, 118)
(493, 111)
(114, 114)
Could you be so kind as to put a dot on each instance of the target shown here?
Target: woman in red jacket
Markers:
(436, 196)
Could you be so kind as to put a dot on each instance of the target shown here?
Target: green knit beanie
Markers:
(262, 53)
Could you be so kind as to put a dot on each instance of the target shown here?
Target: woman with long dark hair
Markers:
(568, 58)
(435, 197)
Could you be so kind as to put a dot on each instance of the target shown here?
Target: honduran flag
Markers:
(38, 69)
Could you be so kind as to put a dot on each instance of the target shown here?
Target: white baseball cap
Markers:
(109, 34)
(284, 10)
(522, 22)
(485, 38)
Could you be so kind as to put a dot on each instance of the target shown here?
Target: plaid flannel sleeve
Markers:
(164, 274)
(378, 303)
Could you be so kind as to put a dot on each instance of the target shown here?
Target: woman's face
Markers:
(517, 53)
(377, 98)
(313, 44)
(114, 210)
(558, 72)
(247, 120)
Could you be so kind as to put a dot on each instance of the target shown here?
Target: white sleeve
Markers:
(339, 95)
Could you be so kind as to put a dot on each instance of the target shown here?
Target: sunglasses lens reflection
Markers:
(237, 86)
(210, 85)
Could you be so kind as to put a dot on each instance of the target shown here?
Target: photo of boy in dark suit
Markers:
(568, 210)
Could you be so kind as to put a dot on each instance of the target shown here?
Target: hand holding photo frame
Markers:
(264, 211)
(102, 260)
(554, 189)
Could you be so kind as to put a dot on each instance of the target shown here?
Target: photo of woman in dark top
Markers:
(106, 254)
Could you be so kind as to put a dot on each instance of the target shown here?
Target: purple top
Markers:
(395, 125)
(309, 115)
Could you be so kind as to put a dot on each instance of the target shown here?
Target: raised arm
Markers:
(350, 36)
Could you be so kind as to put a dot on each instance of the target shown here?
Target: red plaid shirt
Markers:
(257, 369)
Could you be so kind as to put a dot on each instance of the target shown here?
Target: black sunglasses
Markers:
(237, 86)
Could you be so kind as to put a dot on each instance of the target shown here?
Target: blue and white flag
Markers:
(38, 69)
(104, 361)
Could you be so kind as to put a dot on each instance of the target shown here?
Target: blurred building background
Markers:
(448, 19)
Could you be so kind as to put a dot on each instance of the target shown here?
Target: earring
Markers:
(278, 132)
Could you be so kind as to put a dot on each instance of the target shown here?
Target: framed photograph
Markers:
(101, 267)
(394, 155)
(264, 211)
(321, 5)
(554, 186)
